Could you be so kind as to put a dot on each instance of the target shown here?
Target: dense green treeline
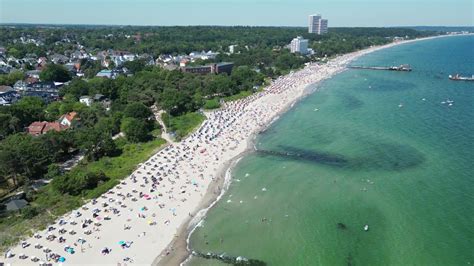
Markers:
(175, 40)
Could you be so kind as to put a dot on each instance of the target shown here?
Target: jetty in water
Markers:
(390, 68)
(236, 261)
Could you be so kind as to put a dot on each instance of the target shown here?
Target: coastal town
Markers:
(114, 152)
(165, 190)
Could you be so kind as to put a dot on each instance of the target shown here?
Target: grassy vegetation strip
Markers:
(184, 124)
(212, 104)
(238, 96)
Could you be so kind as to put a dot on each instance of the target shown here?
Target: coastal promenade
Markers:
(160, 202)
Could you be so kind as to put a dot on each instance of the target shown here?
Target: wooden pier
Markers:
(406, 68)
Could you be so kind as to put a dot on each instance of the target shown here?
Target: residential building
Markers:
(67, 119)
(47, 97)
(232, 48)
(40, 128)
(223, 67)
(87, 100)
(198, 69)
(105, 73)
(47, 86)
(47, 91)
(148, 59)
(106, 103)
(99, 97)
(15, 204)
(299, 45)
(203, 55)
(59, 59)
(317, 25)
(5, 69)
(218, 68)
(8, 95)
(79, 55)
(20, 85)
(184, 62)
(33, 73)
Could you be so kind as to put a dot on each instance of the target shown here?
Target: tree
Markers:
(28, 109)
(53, 171)
(287, 61)
(245, 78)
(135, 130)
(8, 125)
(55, 72)
(22, 156)
(76, 88)
(15, 52)
(221, 84)
(11, 78)
(74, 183)
(95, 143)
(58, 144)
(53, 111)
(90, 116)
(135, 66)
(176, 102)
(137, 110)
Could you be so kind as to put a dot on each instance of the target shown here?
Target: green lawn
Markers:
(212, 104)
(184, 124)
(238, 96)
(50, 204)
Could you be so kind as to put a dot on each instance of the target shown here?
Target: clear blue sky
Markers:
(240, 12)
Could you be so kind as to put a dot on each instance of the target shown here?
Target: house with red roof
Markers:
(41, 127)
(67, 119)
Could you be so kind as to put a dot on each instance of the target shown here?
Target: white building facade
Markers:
(86, 100)
(317, 25)
(299, 45)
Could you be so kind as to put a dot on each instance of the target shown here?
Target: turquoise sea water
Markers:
(369, 147)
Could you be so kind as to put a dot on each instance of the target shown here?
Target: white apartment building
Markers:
(299, 45)
(317, 25)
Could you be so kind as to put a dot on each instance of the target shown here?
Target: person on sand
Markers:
(106, 251)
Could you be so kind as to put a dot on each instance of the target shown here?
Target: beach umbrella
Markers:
(121, 242)
(62, 259)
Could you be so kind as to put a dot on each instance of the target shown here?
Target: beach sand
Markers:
(154, 210)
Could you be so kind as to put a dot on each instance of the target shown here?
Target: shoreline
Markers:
(187, 179)
(180, 245)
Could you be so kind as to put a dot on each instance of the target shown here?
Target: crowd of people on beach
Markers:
(138, 218)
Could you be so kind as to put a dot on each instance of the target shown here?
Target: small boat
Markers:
(366, 227)
(461, 78)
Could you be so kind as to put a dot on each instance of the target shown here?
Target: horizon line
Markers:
(211, 25)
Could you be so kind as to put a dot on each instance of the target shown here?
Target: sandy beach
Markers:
(153, 211)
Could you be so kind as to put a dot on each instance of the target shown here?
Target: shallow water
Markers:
(369, 147)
